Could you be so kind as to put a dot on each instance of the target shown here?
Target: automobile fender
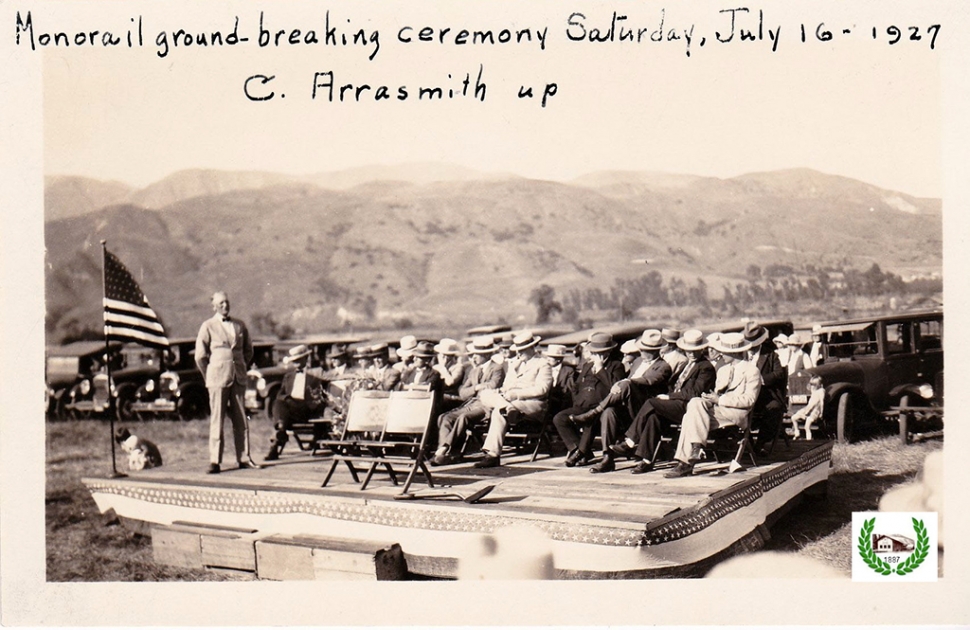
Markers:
(835, 391)
(193, 390)
(907, 389)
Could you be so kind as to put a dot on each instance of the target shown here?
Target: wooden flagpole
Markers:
(107, 362)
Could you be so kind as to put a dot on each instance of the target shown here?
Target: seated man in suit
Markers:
(482, 374)
(300, 397)
(524, 393)
(563, 378)
(769, 411)
(735, 392)
(383, 375)
(670, 353)
(598, 374)
(648, 378)
(660, 412)
(451, 369)
(420, 375)
(630, 353)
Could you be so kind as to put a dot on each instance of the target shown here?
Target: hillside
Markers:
(469, 249)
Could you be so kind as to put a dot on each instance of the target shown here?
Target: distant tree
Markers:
(544, 299)
(266, 324)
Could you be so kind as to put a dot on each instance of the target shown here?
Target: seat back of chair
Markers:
(409, 412)
(367, 411)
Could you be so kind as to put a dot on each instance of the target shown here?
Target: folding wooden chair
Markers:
(366, 417)
(732, 439)
(531, 433)
(404, 439)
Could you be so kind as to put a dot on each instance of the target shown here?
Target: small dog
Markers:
(142, 454)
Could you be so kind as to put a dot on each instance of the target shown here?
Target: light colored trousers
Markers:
(225, 401)
(700, 418)
(498, 423)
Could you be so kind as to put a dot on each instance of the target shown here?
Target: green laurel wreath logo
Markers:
(882, 567)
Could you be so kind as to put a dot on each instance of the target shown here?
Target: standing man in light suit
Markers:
(223, 350)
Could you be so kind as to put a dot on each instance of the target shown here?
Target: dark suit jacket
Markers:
(313, 396)
(589, 388)
(561, 394)
(774, 378)
(652, 383)
(700, 379)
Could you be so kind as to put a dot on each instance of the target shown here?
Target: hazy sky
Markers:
(855, 107)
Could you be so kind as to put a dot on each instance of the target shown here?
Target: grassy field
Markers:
(80, 547)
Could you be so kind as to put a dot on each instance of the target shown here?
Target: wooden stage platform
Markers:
(279, 523)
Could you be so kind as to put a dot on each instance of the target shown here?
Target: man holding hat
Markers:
(523, 395)
(482, 374)
(660, 412)
(769, 411)
(300, 397)
(735, 392)
(648, 378)
(596, 377)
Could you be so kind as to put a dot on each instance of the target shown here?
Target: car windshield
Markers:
(851, 341)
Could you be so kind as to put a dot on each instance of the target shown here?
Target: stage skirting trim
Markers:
(445, 531)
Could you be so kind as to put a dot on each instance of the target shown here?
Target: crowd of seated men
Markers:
(630, 397)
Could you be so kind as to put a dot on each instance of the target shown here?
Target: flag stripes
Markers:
(127, 313)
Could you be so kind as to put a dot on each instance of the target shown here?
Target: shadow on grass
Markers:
(818, 517)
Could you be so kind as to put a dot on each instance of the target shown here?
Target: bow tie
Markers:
(227, 319)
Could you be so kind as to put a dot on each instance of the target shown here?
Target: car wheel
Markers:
(848, 418)
(125, 414)
(188, 409)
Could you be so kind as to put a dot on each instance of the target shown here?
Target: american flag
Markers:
(127, 314)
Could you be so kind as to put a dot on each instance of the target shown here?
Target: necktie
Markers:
(683, 376)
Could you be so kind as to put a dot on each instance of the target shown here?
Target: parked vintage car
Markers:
(70, 373)
(179, 391)
(263, 381)
(141, 363)
(872, 367)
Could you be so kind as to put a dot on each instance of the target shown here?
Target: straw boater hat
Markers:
(795, 340)
(731, 343)
(424, 349)
(481, 345)
(781, 339)
(651, 339)
(378, 350)
(670, 335)
(524, 340)
(555, 351)
(630, 347)
(296, 353)
(448, 347)
(692, 341)
(755, 334)
(600, 343)
(408, 344)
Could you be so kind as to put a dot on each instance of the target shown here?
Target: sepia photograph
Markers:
(629, 297)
